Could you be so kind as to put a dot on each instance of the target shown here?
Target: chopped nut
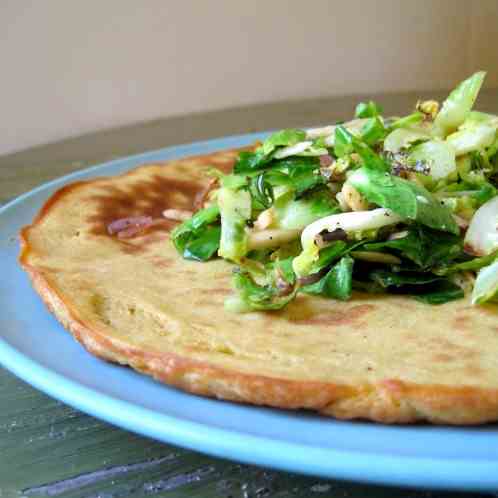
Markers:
(177, 214)
(353, 198)
(265, 219)
(428, 107)
(342, 202)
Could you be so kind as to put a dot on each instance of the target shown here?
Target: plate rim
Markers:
(458, 473)
(259, 450)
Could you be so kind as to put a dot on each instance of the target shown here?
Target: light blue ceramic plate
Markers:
(36, 348)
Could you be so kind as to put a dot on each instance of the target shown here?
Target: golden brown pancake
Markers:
(137, 302)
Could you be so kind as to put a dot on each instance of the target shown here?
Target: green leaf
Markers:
(492, 152)
(346, 143)
(277, 178)
(204, 246)
(284, 267)
(324, 259)
(423, 246)
(235, 210)
(289, 164)
(425, 287)
(312, 150)
(337, 283)
(201, 218)
(304, 263)
(312, 260)
(304, 179)
(440, 293)
(470, 265)
(481, 192)
(331, 253)
(373, 131)
(251, 161)
(457, 106)
(234, 182)
(404, 197)
(472, 138)
(254, 297)
(407, 121)
(369, 157)
(343, 144)
(298, 213)
(262, 190)
(399, 279)
(484, 193)
(403, 138)
(411, 247)
(302, 174)
(282, 138)
(367, 109)
(438, 155)
(191, 230)
(299, 174)
(440, 247)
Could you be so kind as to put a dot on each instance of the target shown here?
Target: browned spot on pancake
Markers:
(462, 323)
(148, 238)
(220, 291)
(188, 272)
(148, 197)
(350, 316)
(471, 354)
(450, 348)
(440, 343)
(205, 324)
(442, 358)
(473, 370)
(128, 247)
(225, 165)
(198, 349)
(222, 276)
(205, 302)
(162, 262)
(402, 306)
(365, 296)
(268, 320)
(143, 197)
(411, 337)
(394, 386)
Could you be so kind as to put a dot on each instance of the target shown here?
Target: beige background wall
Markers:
(71, 67)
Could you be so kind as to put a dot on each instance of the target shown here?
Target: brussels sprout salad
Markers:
(403, 205)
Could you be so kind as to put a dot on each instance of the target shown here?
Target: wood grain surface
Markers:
(49, 449)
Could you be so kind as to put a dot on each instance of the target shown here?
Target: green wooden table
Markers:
(50, 449)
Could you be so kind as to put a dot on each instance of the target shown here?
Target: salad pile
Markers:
(405, 205)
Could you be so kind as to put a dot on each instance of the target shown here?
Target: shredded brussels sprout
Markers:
(406, 204)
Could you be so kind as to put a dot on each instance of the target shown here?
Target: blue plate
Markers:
(37, 349)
